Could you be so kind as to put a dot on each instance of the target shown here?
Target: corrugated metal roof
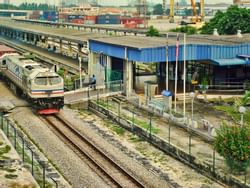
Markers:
(229, 62)
(151, 42)
(158, 53)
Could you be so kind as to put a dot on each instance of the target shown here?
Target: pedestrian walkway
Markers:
(89, 93)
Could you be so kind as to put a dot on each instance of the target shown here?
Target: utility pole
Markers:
(164, 7)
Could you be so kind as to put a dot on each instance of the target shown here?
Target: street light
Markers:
(242, 110)
(192, 95)
(80, 71)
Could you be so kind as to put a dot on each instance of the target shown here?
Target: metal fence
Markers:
(29, 157)
(194, 149)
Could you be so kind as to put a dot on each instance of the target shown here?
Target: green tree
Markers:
(6, 6)
(233, 143)
(233, 19)
(152, 32)
(157, 9)
(186, 29)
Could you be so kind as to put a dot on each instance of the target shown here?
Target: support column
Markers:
(108, 69)
(60, 46)
(92, 63)
(46, 43)
(70, 49)
(128, 77)
(25, 37)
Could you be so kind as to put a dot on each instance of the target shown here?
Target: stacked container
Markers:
(128, 20)
(90, 20)
(108, 19)
(49, 16)
(35, 15)
(62, 17)
(79, 19)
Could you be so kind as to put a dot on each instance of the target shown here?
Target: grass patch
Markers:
(143, 124)
(10, 170)
(85, 112)
(1, 143)
(104, 104)
(118, 130)
(4, 157)
(5, 149)
(229, 111)
(135, 139)
(11, 176)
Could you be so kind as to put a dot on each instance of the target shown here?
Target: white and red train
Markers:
(43, 88)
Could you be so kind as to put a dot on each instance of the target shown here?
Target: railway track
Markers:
(109, 170)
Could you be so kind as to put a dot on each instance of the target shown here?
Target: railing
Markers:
(223, 86)
(182, 147)
(27, 153)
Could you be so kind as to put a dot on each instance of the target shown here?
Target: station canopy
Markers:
(229, 62)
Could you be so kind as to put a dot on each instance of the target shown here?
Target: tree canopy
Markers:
(158, 10)
(28, 6)
(152, 32)
(229, 22)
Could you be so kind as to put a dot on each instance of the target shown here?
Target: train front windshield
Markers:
(53, 80)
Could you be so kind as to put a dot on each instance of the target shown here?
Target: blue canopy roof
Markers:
(229, 62)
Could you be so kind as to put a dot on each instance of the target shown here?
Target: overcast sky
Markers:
(106, 2)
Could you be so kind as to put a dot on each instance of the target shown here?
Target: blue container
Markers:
(72, 17)
(108, 21)
(109, 17)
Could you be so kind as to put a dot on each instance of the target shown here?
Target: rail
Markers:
(96, 156)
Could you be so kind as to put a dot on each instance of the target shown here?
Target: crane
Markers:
(196, 18)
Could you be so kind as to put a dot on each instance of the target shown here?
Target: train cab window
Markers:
(4, 62)
(54, 80)
(41, 81)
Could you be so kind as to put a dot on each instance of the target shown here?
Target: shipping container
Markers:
(72, 17)
(89, 22)
(90, 18)
(77, 21)
(137, 20)
(109, 17)
(130, 25)
(49, 16)
(108, 21)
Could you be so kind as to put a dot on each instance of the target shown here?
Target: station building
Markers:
(224, 61)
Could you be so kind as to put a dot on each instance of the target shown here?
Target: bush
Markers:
(186, 29)
(247, 85)
(233, 143)
(235, 18)
(152, 32)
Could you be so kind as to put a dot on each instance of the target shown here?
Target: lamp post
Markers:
(242, 110)
(192, 95)
(80, 71)
(192, 105)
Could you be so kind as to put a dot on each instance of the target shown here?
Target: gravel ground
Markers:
(160, 171)
(77, 173)
(153, 159)
(150, 179)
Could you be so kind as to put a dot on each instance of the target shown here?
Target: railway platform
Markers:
(90, 93)
(54, 58)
